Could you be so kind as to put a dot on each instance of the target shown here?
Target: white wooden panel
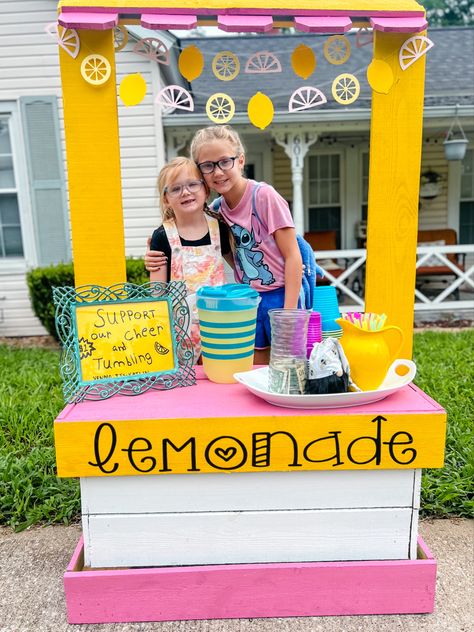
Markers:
(415, 515)
(247, 491)
(244, 537)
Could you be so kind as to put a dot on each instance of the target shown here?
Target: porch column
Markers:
(296, 145)
(394, 182)
(93, 165)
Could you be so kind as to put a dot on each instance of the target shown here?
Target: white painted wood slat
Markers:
(246, 537)
(250, 491)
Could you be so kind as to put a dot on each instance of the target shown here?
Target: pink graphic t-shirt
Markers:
(258, 260)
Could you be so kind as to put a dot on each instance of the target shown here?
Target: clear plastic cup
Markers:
(288, 365)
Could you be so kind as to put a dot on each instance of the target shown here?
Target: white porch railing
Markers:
(350, 282)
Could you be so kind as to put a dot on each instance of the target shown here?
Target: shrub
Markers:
(42, 280)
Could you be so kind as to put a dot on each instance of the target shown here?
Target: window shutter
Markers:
(40, 122)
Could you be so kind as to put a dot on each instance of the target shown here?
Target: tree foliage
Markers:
(449, 12)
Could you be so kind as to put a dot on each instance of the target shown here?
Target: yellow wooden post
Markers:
(394, 177)
(93, 165)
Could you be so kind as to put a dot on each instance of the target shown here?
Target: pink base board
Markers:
(249, 590)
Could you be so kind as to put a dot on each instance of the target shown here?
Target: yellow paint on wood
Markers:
(395, 156)
(347, 6)
(243, 444)
(93, 165)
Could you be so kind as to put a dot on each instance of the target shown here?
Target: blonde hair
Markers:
(165, 176)
(215, 132)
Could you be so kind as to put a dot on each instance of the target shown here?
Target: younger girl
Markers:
(192, 241)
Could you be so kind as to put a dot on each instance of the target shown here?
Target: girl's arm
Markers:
(160, 275)
(286, 241)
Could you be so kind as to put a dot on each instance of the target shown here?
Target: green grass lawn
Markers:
(31, 398)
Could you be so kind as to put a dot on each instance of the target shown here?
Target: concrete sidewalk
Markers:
(32, 564)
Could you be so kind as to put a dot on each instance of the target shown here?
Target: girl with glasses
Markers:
(265, 249)
(191, 241)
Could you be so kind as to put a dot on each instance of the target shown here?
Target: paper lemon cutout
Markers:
(154, 49)
(68, 39)
(191, 63)
(303, 61)
(380, 76)
(337, 49)
(260, 110)
(345, 89)
(120, 38)
(306, 98)
(96, 69)
(262, 62)
(220, 108)
(132, 89)
(412, 49)
(175, 98)
(226, 65)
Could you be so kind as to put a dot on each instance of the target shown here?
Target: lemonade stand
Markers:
(207, 502)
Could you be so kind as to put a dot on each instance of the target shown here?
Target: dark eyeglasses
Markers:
(177, 190)
(224, 164)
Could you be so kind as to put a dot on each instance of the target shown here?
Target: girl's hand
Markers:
(154, 259)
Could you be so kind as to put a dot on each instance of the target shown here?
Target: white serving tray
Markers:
(256, 382)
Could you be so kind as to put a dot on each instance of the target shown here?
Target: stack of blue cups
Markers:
(325, 302)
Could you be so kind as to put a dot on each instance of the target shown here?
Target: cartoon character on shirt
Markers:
(249, 258)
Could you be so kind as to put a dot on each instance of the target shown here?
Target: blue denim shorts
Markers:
(274, 299)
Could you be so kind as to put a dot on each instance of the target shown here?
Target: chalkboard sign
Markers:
(123, 339)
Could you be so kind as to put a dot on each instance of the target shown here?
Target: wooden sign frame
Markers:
(125, 315)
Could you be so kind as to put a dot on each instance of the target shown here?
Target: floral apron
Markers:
(197, 266)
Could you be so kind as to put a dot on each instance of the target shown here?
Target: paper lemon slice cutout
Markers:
(364, 37)
(260, 110)
(68, 39)
(120, 38)
(226, 65)
(303, 61)
(262, 62)
(174, 98)
(337, 49)
(220, 108)
(154, 49)
(96, 69)
(132, 89)
(345, 88)
(380, 76)
(306, 98)
(412, 49)
(191, 63)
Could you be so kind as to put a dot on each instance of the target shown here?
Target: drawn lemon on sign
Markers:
(191, 63)
(337, 49)
(96, 69)
(303, 61)
(226, 65)
(345, 89)
(220, 108)
(380, 76)
(260, 110)
(132, 89)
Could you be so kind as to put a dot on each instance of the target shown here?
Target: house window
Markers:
(325, 194)
(466, 207)
(11, 244)
(365, 184)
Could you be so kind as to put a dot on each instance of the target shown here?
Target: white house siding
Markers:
(434, 213)
(29, 66)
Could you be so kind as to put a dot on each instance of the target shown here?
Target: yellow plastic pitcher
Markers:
(369, 353)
